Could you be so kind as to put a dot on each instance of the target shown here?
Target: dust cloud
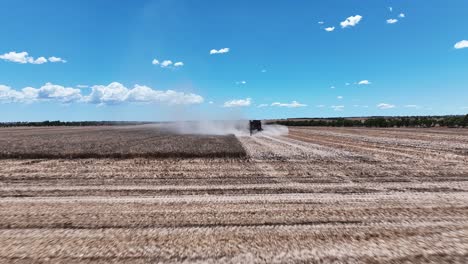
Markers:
(275, 130)
(225, 127)
(189, 120)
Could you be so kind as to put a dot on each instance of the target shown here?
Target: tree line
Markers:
(72, 123)
(413, 121)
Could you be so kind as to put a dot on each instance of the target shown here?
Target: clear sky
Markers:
(183, 59)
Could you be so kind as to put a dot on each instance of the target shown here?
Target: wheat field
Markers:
(316, 195)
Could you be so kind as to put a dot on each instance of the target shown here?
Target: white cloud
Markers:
(23, 58)
(56, 59)
(262, 105)
(238, 102)
(211, 102)
(338, 107)
(40, 60)
(113, 93)
(461, 44)
(57, 92)
(9, 95)
(392, 21)
(220, 51)
(329, 29)
(364, 82)
(385, 106)
(351, 21)
(82, 86)
(166, 63)
(339, 97)
(117, 93)
(293, 104)
(401, 15)
(20, 57)
(241, 82)
(321, 22)
(47, 92)
(390, 8)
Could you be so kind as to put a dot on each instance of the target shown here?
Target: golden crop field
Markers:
(315, 195)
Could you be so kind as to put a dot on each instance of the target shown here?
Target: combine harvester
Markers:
(255, 126)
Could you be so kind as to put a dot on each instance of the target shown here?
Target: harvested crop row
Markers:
(270, 244)
(448, 145)
(311, 196)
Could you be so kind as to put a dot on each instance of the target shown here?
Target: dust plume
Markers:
(202, 121)
(224, 127)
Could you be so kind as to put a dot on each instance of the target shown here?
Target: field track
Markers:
(316, 195)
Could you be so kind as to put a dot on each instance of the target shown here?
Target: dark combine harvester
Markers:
(255, 125)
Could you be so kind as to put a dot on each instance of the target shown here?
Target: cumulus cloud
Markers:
(23, 58)
(461, 44)
(401, 15)
(116, 93)
(167, 63)
(392, 21)
(9, 95)
(238, 102)
(20, 57)
(40, 60)
(220, 51)
(56, 59)
(113, 93)
(385, 106)
(364, 82)
(351, 21)
(337, 107)
(47, 92)
(329, 29)
(57, 92)
(293, 104)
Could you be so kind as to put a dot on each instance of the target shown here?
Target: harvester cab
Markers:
(255, 125)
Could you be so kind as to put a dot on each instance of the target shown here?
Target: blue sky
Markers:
(180, 59)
